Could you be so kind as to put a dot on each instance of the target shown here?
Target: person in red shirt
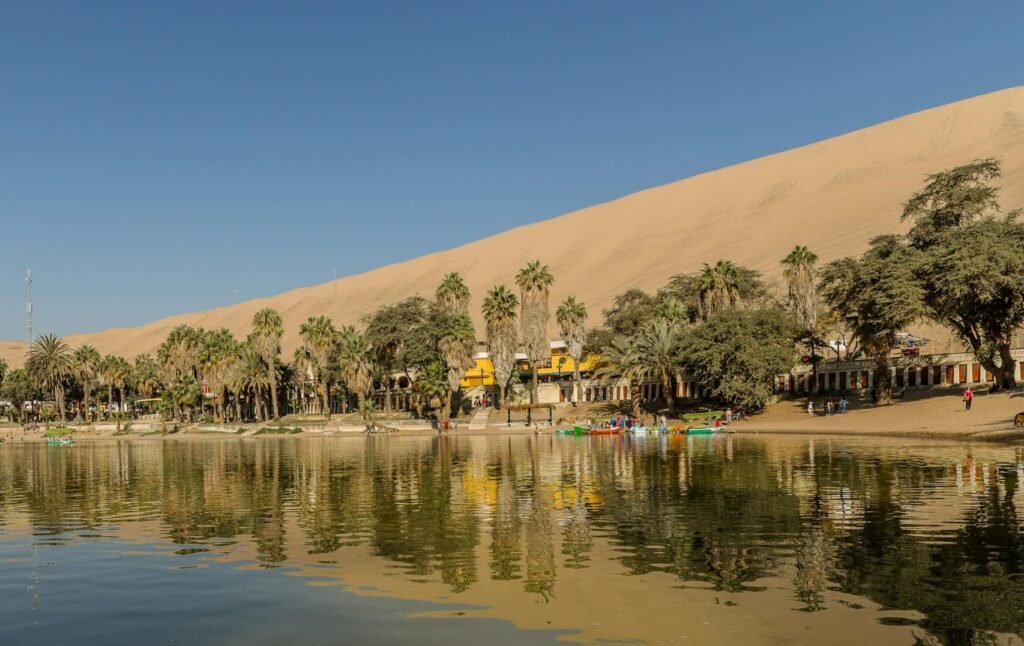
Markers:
(968, 398)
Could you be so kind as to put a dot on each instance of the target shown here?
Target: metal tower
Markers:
(28, 303)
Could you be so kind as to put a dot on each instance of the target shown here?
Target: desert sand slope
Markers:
(833, 196)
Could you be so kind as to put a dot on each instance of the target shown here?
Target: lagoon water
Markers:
(512, 540)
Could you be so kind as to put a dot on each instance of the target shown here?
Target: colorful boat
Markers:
(638, 429)
(60, 441)
(701, 430)
(605, 431)
(580, 430)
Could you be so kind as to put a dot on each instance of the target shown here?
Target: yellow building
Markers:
(560, 364)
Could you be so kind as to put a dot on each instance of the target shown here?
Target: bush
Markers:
(57, 432)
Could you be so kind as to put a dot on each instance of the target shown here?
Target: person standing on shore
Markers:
(810, 408)
(968, 398)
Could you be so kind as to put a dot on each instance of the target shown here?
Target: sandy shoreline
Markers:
(925, 414)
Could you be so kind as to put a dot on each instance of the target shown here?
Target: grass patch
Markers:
(57, 432)
(240, 431)
(283, 430)
(693, 417)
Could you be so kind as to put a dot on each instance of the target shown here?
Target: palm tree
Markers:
(534, 282)
(718, 288)
(802, 282)
(456, 347)
(49, 364)
(499, 310)
(86, 367)
(220, 348)
(657, 350)
(620, 360)
(355, 362)
(267, 329)
(320, 339)
(115, 372)
(249, 374)
(452, 294)
(146, 376)
(572, 323)
(433, 383)
(459, 338)
(179, 352)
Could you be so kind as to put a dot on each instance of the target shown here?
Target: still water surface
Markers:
(511, 540)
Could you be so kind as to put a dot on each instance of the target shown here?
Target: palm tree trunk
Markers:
(59, 392)
(577, 384)
(238, 408)
(110, 399)
(634, 395)
(273, 390)
(85, 397)
(387, 394)
(327, 402)
(670, 399)
(361, 399)
(533, 392)
(883, 382)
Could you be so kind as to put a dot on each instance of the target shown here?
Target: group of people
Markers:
(831, 406)
(482, 401)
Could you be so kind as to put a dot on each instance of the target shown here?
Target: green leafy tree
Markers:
(737, 354)
(18, 388)
(879, 296)
(630, 311)
(534, 282)
(499, 310)
(267, 330)
(972, 262)
(49, 365)
(572, 323)
(400, 337)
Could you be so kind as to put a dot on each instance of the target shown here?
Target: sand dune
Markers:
(833, 196)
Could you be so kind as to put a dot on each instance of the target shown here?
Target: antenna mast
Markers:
(28, 303)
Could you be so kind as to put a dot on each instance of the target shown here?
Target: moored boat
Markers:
(60, 441)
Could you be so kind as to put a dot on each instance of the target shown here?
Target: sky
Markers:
(164, 157)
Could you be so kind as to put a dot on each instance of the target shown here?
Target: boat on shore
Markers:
(60, 441)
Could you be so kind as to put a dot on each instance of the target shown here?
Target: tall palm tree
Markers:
(459, 339)
(499, 310)
(534, 282)
(115, 373)
(572, 323)
(355, 361)
(718, 288)
(801, 281)
(456, 347)
(86, 362)
(452, 294)
(49, 364)
(267, 329)
(800, 272)
(320, 339)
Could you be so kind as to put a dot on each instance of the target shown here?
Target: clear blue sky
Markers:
(160, 157)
